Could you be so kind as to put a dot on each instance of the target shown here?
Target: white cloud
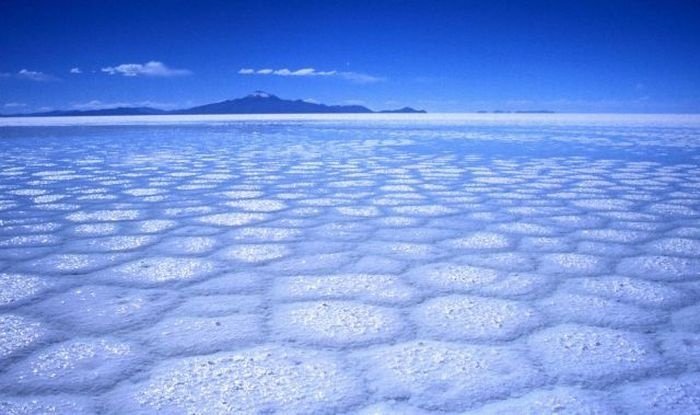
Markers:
(360, 78)
(152, 68)
(356, 77)
(96, 104)
(15, 105)
(35, 76)
(75, 70)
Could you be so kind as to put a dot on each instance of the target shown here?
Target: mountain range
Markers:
(258, 102)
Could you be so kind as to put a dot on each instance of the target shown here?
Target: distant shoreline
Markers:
(605, 119)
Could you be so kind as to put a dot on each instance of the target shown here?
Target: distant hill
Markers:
(106, 111)
(258, 102)
(404, 110)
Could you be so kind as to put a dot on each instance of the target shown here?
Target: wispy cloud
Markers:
(15, 105)
(75, 70)
(96, 104)
(26, 74)
(357, 77)
(152, 68)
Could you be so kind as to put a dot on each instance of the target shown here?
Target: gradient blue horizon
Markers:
(592, 56)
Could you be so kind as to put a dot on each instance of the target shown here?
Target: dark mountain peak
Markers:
(261, 94)
(404, 110)
(258, 102)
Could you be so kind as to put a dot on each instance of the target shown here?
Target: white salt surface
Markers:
(384, 264)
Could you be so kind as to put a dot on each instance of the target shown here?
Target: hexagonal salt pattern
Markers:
(447, 265)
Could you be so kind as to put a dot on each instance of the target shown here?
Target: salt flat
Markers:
(375, 264)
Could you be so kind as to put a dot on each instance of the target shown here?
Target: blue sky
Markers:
(573, 56)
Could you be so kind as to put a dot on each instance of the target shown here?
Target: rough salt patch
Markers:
(218, 305)
(594, 355)
(630, 290)
(359, 211)
(110, 243)
(101, 309)
(242, 194)
(254, 253)
(560, 400)
(572, 264)
(266, 379)
(27, 192)
(95, 229)
(403, 250)
(136, 191)
(525, 228)
(660, 268)
(335, 323)
(675, 246)
(233, 219)
(424, 210)
(187, 245)
(458, 317)
(17, 288)
(612, 235)
(481, 241)
(73, 263)
(305, 263)
(564, 307)
(445, 376)
(446, 276)
(158, 270)
(18, 333)
(201, 335)
(673, 210)
(42, 227)
(687, 318)
(104, 215)
(304, 212)
(604, 204)
(264, 234)
(44, 405)
(661, 396)
(545, 244)
(257, 205)
(30, 241)
(324, 202)
(152, 226)
(83, 364)
(399, 221)
(373, 288)
(177, 212)
(391, 407)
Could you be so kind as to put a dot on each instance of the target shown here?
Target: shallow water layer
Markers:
(369, 265)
